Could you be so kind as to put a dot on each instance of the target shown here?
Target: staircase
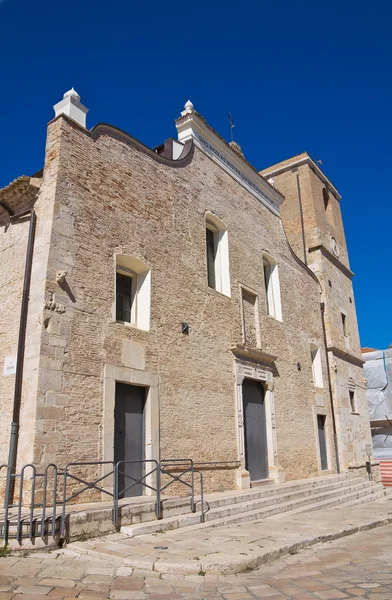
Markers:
(227, 508)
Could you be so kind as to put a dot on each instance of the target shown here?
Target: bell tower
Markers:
(313, 223)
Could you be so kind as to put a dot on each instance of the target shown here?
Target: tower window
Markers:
(217, 255)
(272, 288)
(353, 407)
(325, 198)
(344, 324)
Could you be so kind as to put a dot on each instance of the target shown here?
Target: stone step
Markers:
(134, 514)
(283, 499)
(286, 508)
(351, 499)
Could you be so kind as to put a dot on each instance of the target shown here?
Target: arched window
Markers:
(217, 253)
(272, 287)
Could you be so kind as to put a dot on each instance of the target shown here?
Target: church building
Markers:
(176, 303)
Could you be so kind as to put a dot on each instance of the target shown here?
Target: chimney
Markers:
(72, 107)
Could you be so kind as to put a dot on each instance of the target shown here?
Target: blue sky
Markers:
(296, 76)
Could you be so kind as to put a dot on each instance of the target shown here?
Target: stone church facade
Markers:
(174, 308)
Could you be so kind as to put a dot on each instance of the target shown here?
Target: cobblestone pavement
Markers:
(358, 566)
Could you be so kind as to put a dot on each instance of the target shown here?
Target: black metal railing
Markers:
(41, 507)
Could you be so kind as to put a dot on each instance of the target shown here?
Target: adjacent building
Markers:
(181, 305)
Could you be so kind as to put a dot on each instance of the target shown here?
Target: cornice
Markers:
(253, 354)
(192, 126)
(297, 163)
(345, 270)
(347, 356)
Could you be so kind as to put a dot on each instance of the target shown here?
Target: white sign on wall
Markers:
(9, 367)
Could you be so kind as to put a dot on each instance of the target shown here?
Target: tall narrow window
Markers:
(316, 366)
(211, 255)
(325, 198)
(351, 395)
(133, 292)
(344, 324)
(272, 288)
(217, 253)
(125, 296)
(250, 319)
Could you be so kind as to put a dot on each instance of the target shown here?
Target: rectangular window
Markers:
(322, 442)
(217, 252)
(133, 292)
(316, 366)
(211, 256)
(344, 324)
(272, 288)
(250, 319)
(125, 297)
(351, 394)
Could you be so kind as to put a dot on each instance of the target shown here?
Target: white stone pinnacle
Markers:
(188, 108)
(71, 106)
(72, 93)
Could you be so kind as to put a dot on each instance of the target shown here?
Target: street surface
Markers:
(358, 566)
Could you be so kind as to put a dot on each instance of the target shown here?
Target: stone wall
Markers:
(321, 224)
(110, 197)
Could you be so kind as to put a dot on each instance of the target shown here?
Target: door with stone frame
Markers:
(129, 438)
(255, 429)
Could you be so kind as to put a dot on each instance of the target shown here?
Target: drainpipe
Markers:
(13, 447)
(335, 437)
(301, 216)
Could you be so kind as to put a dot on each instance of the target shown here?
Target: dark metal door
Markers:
(129, 437)
(322, 442)
(256, 451)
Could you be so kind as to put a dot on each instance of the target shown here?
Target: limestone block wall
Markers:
(13, 241)
(12, 265)
(353, 426)
(112, 198)
(321, 224)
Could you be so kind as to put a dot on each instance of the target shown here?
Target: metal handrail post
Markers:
(115, 496)
(6, 510)
(202, 518)
(158, 504)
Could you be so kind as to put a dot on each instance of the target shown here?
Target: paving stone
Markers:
(29, 597)
(127, 595)
(63, 591)
(331, 595)
(64, 583)
(127, 583)
(33, 589)
(355, 591)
